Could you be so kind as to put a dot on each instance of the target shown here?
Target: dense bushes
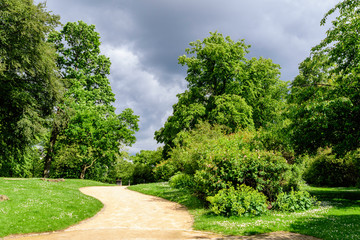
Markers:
(212, 165)
(215, 161)
(326, 169)
(244, 201)
(259, 169)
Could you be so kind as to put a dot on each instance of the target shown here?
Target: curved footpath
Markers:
(131, 215)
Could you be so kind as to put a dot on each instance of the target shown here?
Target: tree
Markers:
(29, 83)
(144, 164)
(326, 92)
(311, 107)
(224, 88)
(93, 131)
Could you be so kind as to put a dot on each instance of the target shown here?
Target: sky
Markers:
(144, 38)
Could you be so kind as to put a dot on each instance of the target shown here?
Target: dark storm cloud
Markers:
(144, 38)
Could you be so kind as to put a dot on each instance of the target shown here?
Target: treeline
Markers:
(238, 123)
(245, 141)
(57, 117)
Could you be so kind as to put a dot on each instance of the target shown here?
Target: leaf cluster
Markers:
(242, 201)
(29, 83)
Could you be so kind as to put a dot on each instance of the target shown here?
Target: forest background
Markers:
(58, 118)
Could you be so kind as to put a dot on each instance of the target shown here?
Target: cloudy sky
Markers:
(144, 38)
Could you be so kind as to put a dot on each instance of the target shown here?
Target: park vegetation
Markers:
(57, 115)
(240, 139)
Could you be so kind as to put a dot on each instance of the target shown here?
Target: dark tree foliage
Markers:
(326, 94)
(29, 83)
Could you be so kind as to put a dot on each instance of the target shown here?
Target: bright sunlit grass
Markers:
(40, 206)
(338, 216)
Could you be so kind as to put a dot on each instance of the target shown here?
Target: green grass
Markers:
(40, 206)
(338, 216)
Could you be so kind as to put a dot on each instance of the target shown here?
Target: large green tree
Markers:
(29, 83)
(90, 127)
(326, 94)
(224, 87)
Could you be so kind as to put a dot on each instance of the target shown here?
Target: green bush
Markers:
(229, 164)
(326, 169)
(244, 201)
(165, 170)
(181, 180)
(218, 161)
(294, 201)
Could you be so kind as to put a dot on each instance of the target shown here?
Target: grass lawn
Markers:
(40, 206)
(338, 216)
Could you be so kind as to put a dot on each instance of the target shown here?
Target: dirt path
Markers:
(131, 215)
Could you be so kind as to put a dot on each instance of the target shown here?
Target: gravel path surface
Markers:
(131, 215)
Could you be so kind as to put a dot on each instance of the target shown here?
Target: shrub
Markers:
(217, 161)
(244, 201)
(294, 201)
(326, 169)
(165, 170)
(181, 180)
(229, 166)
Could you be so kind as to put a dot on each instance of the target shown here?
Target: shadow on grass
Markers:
(334, 194)
(343, 220)
(330, 227)
(181, 196)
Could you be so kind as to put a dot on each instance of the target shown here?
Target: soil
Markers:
(131, 215)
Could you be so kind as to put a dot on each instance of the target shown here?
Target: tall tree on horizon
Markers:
(224, 87)
(91, 128)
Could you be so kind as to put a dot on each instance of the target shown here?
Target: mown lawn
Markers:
(40, 206)
(338, 216)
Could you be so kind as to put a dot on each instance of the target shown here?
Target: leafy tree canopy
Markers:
(29, 84)
(94, 131)
(224, 87)
(325, 95)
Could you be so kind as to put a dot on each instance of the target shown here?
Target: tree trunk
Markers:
(82, 175)
(50, 152)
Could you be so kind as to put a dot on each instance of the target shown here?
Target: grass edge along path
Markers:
(338, 216)
(36, 206)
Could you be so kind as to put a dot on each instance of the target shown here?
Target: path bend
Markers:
(131, 215)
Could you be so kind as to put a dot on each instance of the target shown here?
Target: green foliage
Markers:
(326, 169)
(165, 170)
(225, 88)
(91, 133)
(216, 161)
(190, 145)
(325, 96)
(230, 166)
(231, 111)
(276, 137)
(244, 201)
(29, 83)
(122, 169)
(181, 181)
(144, 164)
(294, 201)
